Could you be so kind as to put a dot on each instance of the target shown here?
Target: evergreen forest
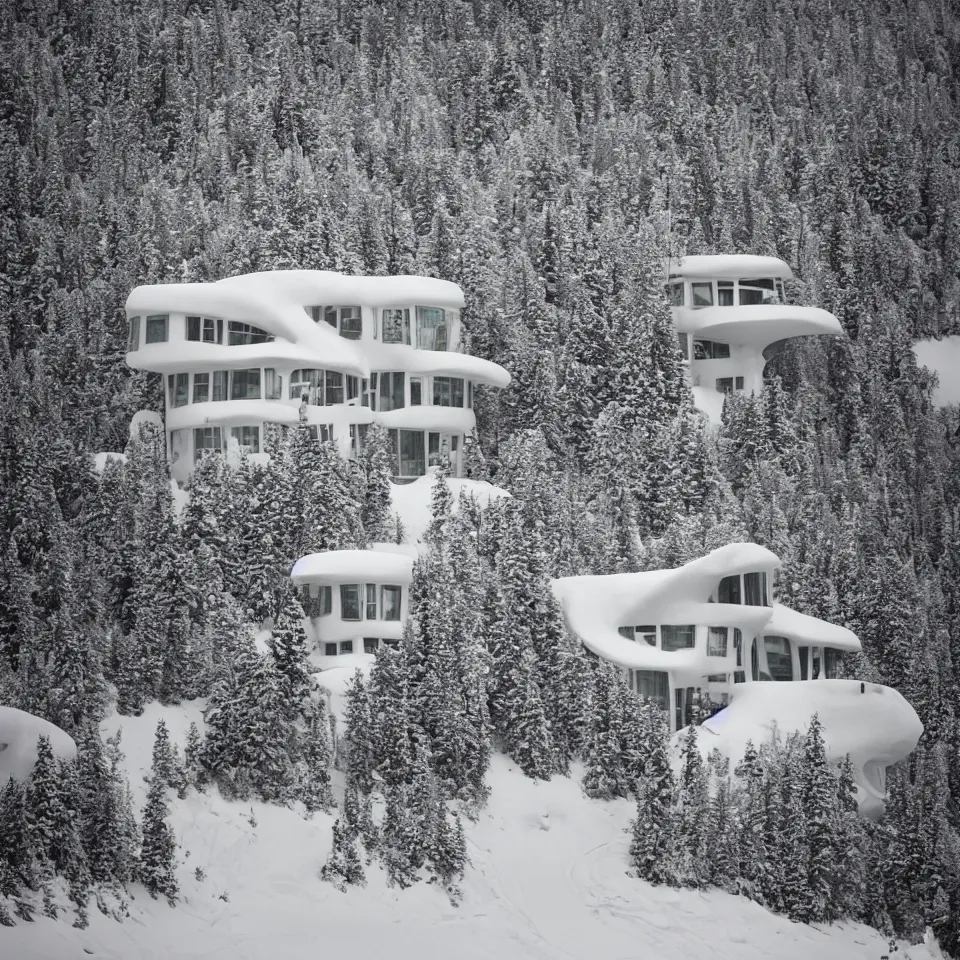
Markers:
(548, 156)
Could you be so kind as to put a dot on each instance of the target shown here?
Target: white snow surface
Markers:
(100, 460)
(757, 325)
(143, 416)
(943, 357)
(19, 732)
(732, 266)
(548, 879)
(347, 566)
(412, 500)
(873, 724)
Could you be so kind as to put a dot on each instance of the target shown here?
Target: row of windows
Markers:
(703, 349)
(355, 598)
(431, 326)
(749, 589)
(727, 293)
(210, 440)
(200, 329)
(370, 645)
(412, 457)
(249, 384)
(672, 636)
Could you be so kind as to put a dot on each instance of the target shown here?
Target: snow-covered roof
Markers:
(595, 606)
(756, 325)
(19, 732)
(351, 566)
(728, 267)
(874, 724)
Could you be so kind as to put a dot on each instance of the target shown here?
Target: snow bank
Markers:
(412, 500)
(870, 722)
(943, 358)
(143, 416)
(19, 732)
(548, 880)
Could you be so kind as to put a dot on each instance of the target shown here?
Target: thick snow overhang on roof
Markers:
(19, 732)
(728, 267)
(810, 631)
(234, 411)
(874, 724)
(594, 607)
(756, 325)
(351, 566)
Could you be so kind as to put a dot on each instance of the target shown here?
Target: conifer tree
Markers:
(343, 867)
(157, 863)
(653, 849)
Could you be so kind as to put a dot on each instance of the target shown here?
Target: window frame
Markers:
(677, 630)
(698, 286)
(238, 377)
(397, 590)
(344, 587)
(717, 641)
(399, 335)
(247, 437)
(153, 322)
(240, 334)
(370, 601)
(201, 379)
(133, 335)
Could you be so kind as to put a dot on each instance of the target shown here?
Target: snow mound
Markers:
(411, 501)
(872, 723)
(143, 416)
(19, 732)
(943, 358)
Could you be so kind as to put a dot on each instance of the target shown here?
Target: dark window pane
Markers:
(248, 438)
(739, 383)
(725, 296)
(334, 392)
(133, 341)
(725, 385)
(157, 328)
(193, 328)
(804, 657)
(416, 391)
(717, 642)
(245, 384)
(673, 637)
(653, 684)
(702, 294)
(181, 393)
(330, 316)
(391, 603)
(201, 387)
(329, 649)
(346, 646)
(220, 381)
(702, 349)
(627, 633)
(753, 590)
(830, 660)
(779, 659)
(351, 323)
(738, 645)
(729, 591)
(395, 326)
(371, 601)
(370, 644)
(349, 601)
(239, 334)
(412, 458)
(272, 385)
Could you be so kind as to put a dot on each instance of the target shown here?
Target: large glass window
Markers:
(205, 329)
(702, 294)
(755, 589)
(390, 602)
(370, 645)
(757, 291)
(351, 323)
(717, 642)
(309, 384)
(158, 328)
(729, 590)
(221, 380)
(447, 392)
(133, 339)
(201, 387)
(654, 685)
(334, 388)
(725, 385)
(779, 659)
(724, 293)
(710, 350)
(206, 440)
(349, 601)
(392, 386)
(431, 328)
(245, 384)
(411, 453)
(395, 325)
(673, 637)
(239, 334)
(248, 438)
(353, 387)
(272, 384)
(433, 449)
(831, 659)
(329, 649)
(179, 389)
(371, 601)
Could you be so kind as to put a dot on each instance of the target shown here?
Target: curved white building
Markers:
(244, 352)
(730, 313)
(355, 600)
(713, 627)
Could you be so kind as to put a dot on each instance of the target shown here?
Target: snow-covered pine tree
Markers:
(605, 772)
(156, 867)
(692, 812)
(289, 648)
(314, 788)
(653, 849)
(343, 867)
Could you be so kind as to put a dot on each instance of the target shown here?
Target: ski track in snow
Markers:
(548, 881)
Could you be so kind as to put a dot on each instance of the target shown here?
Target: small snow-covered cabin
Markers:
(714, 627)
(731, 313)
(355, 600)
(254, 350)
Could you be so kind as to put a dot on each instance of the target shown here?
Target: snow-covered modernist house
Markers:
(247, 351)
(713, 627)
(355, 600)
(731, 313)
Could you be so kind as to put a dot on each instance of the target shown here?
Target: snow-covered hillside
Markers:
(548, 880)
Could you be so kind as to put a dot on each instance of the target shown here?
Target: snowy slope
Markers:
(548, 881)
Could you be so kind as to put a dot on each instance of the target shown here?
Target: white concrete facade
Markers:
(713, 627)
(729, 311)
(247, 351)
